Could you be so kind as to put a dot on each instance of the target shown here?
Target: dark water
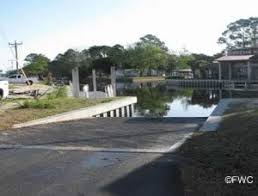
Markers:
(160, 100)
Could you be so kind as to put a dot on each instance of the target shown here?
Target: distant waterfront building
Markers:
(238, 64)
(182, 73)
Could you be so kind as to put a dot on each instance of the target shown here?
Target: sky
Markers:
(51, 27)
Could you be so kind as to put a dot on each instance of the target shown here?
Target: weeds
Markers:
(48, 102)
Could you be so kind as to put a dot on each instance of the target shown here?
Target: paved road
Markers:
(118, 156)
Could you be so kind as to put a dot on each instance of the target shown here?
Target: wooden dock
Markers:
(214, 84)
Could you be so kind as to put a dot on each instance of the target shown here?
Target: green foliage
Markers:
(63, 64)
(36, 64)
(38, 104)
(183, 61)
(150, 39)
(46, 103)
(199, 62)
(146, 56)
(241, 33)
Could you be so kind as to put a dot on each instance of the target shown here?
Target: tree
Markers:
(241, 33)
(117, 55)
(170, 63)
(199, 62)
(146, 56)
(150, 39)
(183, 61)
(36, 64)
(63, 64)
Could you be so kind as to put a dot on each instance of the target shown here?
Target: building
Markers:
(182, 73)
(238, 64)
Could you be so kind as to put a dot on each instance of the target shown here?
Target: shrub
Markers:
(38, 104)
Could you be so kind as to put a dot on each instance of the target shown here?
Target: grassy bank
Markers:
(54, 103)
(42, 109)
(233, 150)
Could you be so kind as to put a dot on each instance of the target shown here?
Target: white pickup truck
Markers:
(21, 79)
(4, 89)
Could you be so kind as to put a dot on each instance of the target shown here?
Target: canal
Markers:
(156, 99)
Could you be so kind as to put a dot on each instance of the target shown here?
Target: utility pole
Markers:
(16, 44)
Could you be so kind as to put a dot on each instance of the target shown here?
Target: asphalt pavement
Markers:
(94, 157)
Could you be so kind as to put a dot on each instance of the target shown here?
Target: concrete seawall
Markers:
(214, 120)
(97, 110)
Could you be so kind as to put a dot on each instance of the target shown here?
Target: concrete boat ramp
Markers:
(97, 156)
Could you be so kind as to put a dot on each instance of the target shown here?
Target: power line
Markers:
(15, 45)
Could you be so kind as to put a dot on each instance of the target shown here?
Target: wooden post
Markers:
(94, 80)
(249, 71)
(219, 71)
(230, 71)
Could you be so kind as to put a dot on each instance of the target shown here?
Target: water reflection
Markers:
(156, 100)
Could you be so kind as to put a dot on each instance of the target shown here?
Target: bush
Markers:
(48, 102)
(38, 104)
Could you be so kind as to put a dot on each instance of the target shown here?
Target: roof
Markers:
(235, 58)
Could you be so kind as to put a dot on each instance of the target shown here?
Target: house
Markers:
(238, 64)
(182, 73)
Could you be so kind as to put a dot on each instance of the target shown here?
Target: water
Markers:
(158, 100)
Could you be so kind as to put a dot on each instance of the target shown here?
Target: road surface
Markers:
(95, 157)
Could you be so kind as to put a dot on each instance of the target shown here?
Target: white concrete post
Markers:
(76, 83)
(94, 80)
(127, 111)
(112, 113)
(132, 109)
(117, 113)
(122, 111)
(86, 90)
(113, 79)
(109, 91)
(104, 114)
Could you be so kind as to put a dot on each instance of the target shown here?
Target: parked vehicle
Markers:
(21, 79)
(4, 89)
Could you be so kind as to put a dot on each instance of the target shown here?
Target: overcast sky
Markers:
(52, 26)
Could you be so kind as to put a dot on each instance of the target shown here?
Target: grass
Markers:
(23, 114)
(54, 103)
(148, 79)
(232, 150)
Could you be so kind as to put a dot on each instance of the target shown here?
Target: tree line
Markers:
(146, 54)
